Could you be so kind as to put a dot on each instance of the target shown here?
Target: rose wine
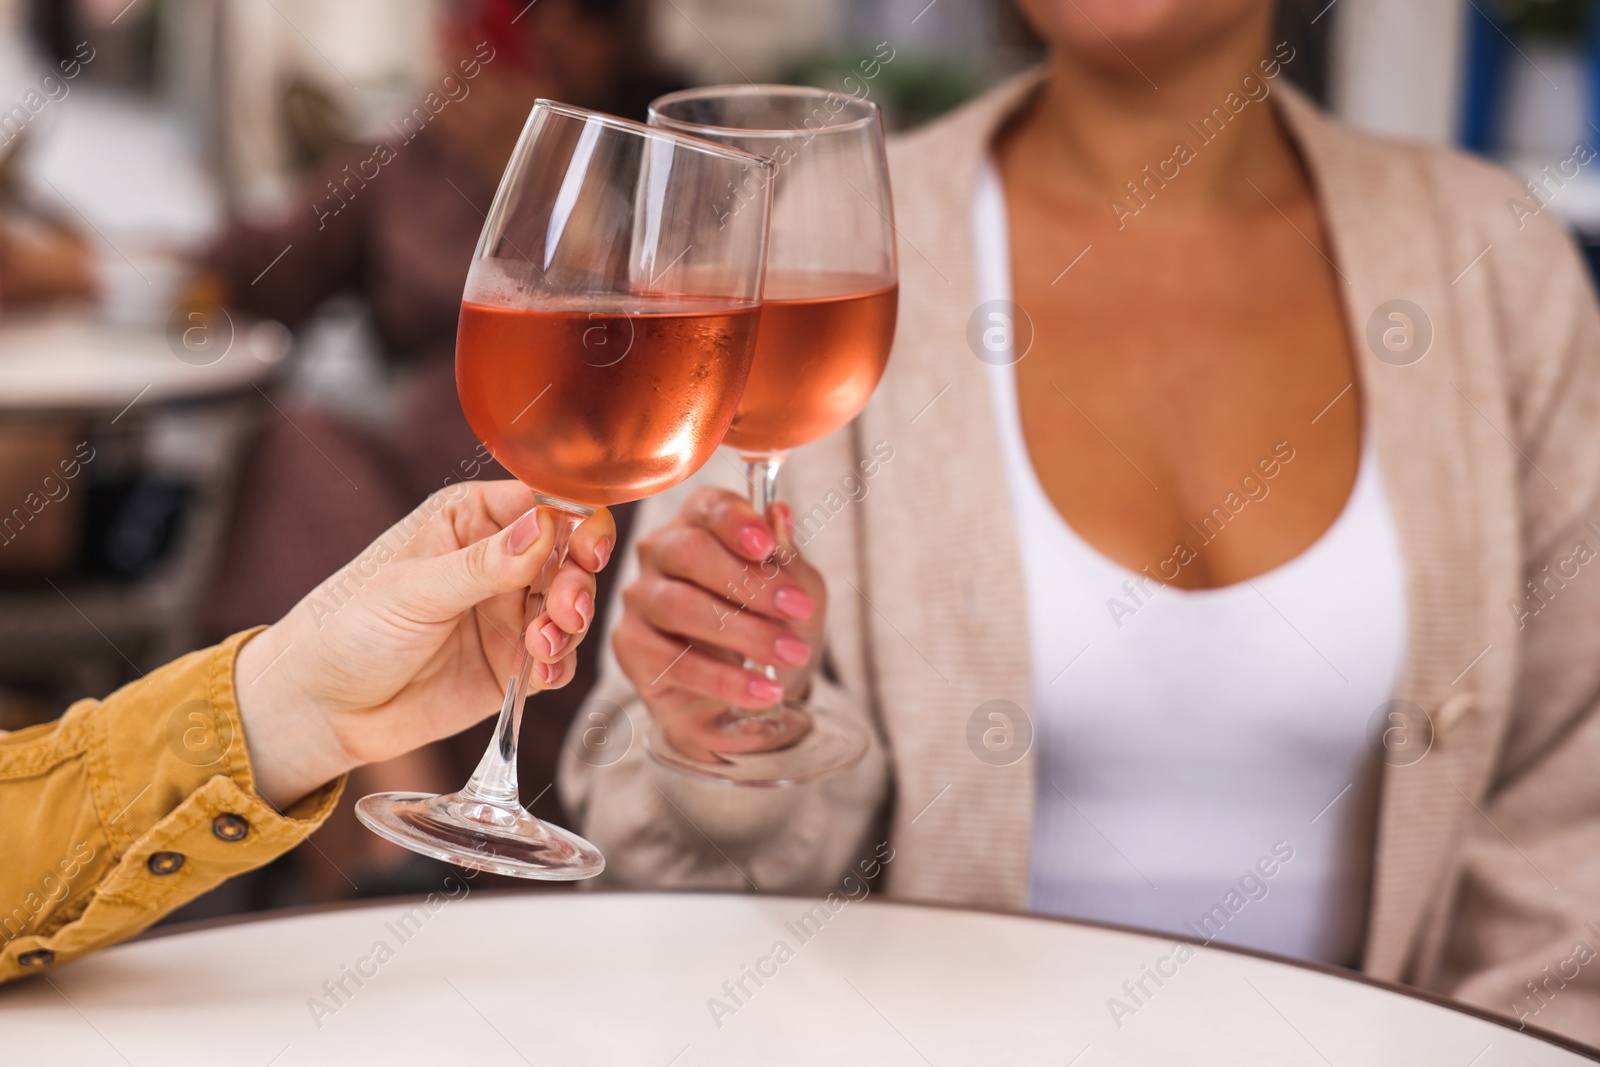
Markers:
(822, 347)
(602, 406)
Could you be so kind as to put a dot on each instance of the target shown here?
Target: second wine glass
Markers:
(827, 323)
(606, 333)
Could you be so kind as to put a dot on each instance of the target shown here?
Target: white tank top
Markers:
(1204, 762)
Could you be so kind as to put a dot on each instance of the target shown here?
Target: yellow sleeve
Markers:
(127, 807)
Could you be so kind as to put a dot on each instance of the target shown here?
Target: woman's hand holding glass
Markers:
(718, 586)
(413, 640)
(827, 323)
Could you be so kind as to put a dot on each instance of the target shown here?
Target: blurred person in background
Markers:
(1211, 558)
(396, 225)
(44, 258)
(44, 261)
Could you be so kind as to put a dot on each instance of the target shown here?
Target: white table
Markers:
(68, 361)
(613, 978)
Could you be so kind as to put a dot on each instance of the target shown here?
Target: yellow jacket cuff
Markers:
(126, 808)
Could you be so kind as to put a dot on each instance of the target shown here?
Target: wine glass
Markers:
(827, 322)
(606, 334)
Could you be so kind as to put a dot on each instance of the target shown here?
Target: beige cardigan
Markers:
(1488, 848)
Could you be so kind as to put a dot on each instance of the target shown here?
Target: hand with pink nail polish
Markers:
(716, 586)
(414, 639)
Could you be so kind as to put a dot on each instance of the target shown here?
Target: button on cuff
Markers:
(165, 862)
(186, 853)
(230, 827)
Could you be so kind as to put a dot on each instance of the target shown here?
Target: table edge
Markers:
(1427, 996)
(93, 412)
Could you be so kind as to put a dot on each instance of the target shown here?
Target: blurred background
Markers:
(233, 235)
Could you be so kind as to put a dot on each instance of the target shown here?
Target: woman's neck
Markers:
(1192, 132)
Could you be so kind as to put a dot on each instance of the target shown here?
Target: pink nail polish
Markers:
(795, 602)
(755, 541)
(791, 650)
(555, 638)
(585, 608)
(766, 690)
(524, 532)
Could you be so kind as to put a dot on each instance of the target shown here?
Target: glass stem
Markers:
(761, 476)
(495, 780)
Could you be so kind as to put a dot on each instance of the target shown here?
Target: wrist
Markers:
(288, 739)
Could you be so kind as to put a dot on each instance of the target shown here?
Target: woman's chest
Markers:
(1166, 365)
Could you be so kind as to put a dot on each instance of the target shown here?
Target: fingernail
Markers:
(602, 552)
(524, 532)
(792, 650)
(765, 689)
(795, 602)
(555, 638)
(585, 607)
(755, 541)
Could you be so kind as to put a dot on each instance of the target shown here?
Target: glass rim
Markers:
(706, 91)
(678, 137)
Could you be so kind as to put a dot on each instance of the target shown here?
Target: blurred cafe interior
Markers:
(233, 240)
(228, 404)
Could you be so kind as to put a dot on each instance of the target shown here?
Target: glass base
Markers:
(497, 838)
(788, 745)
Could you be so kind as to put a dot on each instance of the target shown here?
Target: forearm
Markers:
(126, 808)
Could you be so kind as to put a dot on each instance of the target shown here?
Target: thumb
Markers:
(501, 563)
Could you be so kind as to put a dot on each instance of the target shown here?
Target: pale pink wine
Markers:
(822, 347)
(599, 407)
